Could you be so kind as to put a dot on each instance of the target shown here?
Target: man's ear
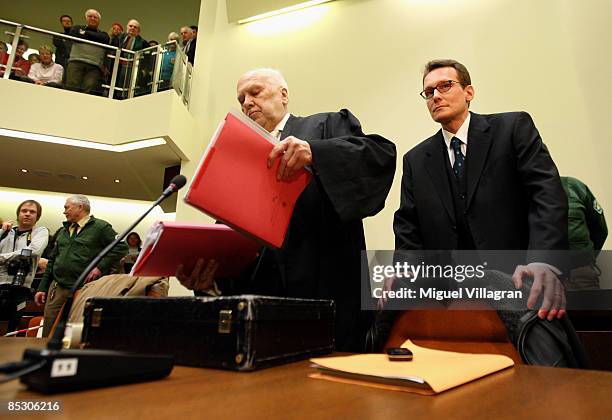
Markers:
(469, 93)
(284, 95)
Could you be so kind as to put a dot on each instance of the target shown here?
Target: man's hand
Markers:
(7, 225)
(93, 274)
(387, 286)
(544, 280)
(202, 276)
(39, 298)
(294, 155)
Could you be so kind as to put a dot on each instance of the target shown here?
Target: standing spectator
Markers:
(46, 72)
(189, 43)
(84, 72)
(63, 45)
(21, 66)
(131, 40)
(587, 231)
(81, 239)
(153, 43)
(168, 59)
(115, 32)
(25, 235)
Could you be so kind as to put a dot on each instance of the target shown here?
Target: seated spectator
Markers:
(46, 72)
(21, 66)
(33, 59)
(153, 43)
(84, 71)
(3, 50)
(134, 243)
(168, 59)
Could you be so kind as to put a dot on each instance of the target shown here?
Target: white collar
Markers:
(461, 134)
(281, 124)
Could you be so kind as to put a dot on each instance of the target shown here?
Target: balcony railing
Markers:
(122, 74)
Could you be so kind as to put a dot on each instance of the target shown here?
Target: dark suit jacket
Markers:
(139, 44)
(515, 200)
(191, 49)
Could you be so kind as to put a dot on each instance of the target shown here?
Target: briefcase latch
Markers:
(225, 321)
(96, 317)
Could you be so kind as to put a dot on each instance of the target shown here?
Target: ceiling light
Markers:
(141, 144)
(25, 171)
(283, 10)
(117, 181)
(85, 178)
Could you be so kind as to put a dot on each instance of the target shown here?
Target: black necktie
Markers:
(75, 229)
(459, 165)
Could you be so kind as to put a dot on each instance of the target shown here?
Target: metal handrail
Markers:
(72, 38)
(115, 54)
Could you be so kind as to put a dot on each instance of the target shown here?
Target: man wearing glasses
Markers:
(483, 182)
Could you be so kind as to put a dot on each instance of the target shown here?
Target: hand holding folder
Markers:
(235, 185)
(170, 244)
(430, 371)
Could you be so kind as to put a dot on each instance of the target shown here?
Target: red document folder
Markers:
(169, 244)
(233, 183)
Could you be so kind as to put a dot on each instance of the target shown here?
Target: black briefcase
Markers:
(244, 332)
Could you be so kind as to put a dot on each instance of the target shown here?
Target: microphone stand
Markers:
(59, 369)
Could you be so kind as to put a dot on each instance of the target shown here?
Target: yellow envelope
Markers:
(430, 371)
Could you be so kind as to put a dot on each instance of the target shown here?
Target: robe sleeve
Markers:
(355, 170)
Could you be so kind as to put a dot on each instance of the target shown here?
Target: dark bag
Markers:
(549, 343)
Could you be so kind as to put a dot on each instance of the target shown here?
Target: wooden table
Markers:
(286, 392)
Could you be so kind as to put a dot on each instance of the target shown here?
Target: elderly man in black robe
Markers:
(321, 254)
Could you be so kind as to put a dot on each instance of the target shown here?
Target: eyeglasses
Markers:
(441, 87)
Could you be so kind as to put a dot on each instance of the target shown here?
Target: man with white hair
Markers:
(352, 175)
(131, 40)
(84, 71)
(81, 239)
(189, 42)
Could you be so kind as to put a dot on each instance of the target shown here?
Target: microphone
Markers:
(176, 184)
(59, 370)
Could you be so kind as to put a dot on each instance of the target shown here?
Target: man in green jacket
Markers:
(587, 232)
(81, 239)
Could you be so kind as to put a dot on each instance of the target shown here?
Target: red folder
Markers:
(169, 244)
(233, 183)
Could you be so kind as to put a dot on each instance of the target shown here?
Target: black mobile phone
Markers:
(399, 354)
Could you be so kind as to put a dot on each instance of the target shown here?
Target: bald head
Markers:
(263, 96)
(133, 28)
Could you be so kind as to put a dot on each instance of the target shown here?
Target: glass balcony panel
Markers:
(167, 71)
(145, 66)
